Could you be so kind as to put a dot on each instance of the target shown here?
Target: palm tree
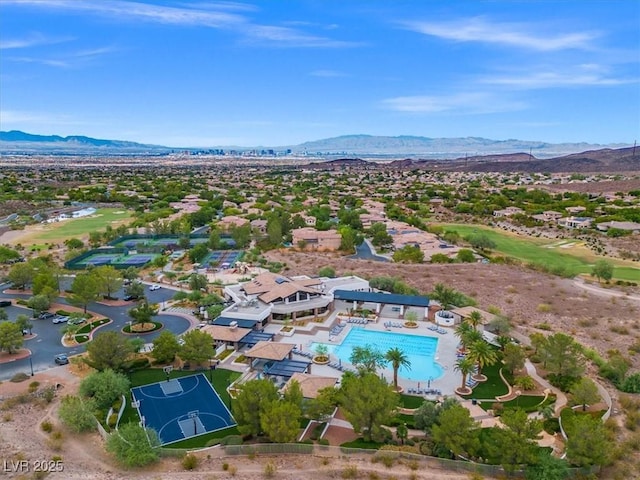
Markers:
(474, 319)
(444, 295)
(467, 334)
(482, 354)
(465, 366)
(398, 359)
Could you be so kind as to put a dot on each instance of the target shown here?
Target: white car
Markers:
(154, 287)
(60, 319)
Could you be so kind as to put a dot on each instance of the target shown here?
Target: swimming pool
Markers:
(420, 351)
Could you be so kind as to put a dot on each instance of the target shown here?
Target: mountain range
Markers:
(17, 142)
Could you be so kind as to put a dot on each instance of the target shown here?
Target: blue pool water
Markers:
(420, 351)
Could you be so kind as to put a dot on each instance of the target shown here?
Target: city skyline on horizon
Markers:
(278, 74)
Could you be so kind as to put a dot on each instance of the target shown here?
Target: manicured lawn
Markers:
(539, 251)
(493, 387)
(202, 440)
(410, 401)
(79, 227)
(529, 403)
(360, 443)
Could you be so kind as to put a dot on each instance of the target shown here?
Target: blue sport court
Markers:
(181, 408)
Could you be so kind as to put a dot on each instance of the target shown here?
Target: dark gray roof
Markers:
(242, 322)
(286, 367)
(379, 297)
(254, 337)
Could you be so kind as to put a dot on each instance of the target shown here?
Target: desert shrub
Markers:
(112, 420)
(269, 469)
(544, 326)
(46, 426)
(190, 462)
(19, 377)
(48, 394)
(525, 382)
(543, 308)
(33, 386)
(350, 471)
(323, 441)
(231, 440)
(7, 417)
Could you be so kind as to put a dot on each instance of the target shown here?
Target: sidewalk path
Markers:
(561, 398)
(580, 283)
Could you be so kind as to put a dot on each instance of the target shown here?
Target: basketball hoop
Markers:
(167, 370)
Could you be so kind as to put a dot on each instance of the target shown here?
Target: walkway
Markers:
(561, 398)
(607, 292)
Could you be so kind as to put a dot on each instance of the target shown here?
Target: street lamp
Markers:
(31, 365)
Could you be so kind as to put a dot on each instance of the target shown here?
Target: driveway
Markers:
(47, 340)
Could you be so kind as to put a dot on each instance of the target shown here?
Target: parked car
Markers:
(5, 303)
(76, 321)
(61, 359)
(46, 315)
(128, 298)
(60, 319)
(154, 287)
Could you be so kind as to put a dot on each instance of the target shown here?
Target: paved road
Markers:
(48, 340)
(366, 251)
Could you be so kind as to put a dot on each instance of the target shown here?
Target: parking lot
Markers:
(46, 341)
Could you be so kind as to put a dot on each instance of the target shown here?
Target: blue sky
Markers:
(281, 72)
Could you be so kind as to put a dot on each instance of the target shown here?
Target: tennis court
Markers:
(181, 408)
(222, 258)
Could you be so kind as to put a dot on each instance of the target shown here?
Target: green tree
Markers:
(135, 290)
(456, 431)
(440, 258)
(588, 443)
(143, 313)
(482, 354)
(24, 322)
(379, 235)
(465, 255)
(563, 355)
(515, 444)
(584, 392)
(408, 254)
(481, 241)
(74, 243)
(165, 347)
(444, 295)
(198, 252)
(547, 467)
(328, 272)
(133, 445)
(108, 350)
(474, 319)
(130, 273)
(426, 415)
(368, 403)
(367, 358)
(241, 235)
(397, 358)
(21, 275)
(198, 282)
(465, 366)
(513, 357)
(10, 337)
(280, 421)
(323, 405)
(602, 270)
(402, 432)
(293, 394)
(248, 406)
(84, 290)
(39, 304)
(45, 283)
(197, 347)
(104, 387)
(108, 279)
(78, 414)
(3, 315)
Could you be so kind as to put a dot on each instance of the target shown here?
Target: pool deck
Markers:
(303, 337)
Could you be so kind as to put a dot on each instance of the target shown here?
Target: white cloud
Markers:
(67, 60)
(463, 103)
(544, 77)
(327, 73)
(21, 120)
(525, 35)
(32, 40)
(212, 15)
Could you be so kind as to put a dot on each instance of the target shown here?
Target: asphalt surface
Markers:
(48, 337)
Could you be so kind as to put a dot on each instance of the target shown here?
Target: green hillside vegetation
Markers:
(537, 251)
